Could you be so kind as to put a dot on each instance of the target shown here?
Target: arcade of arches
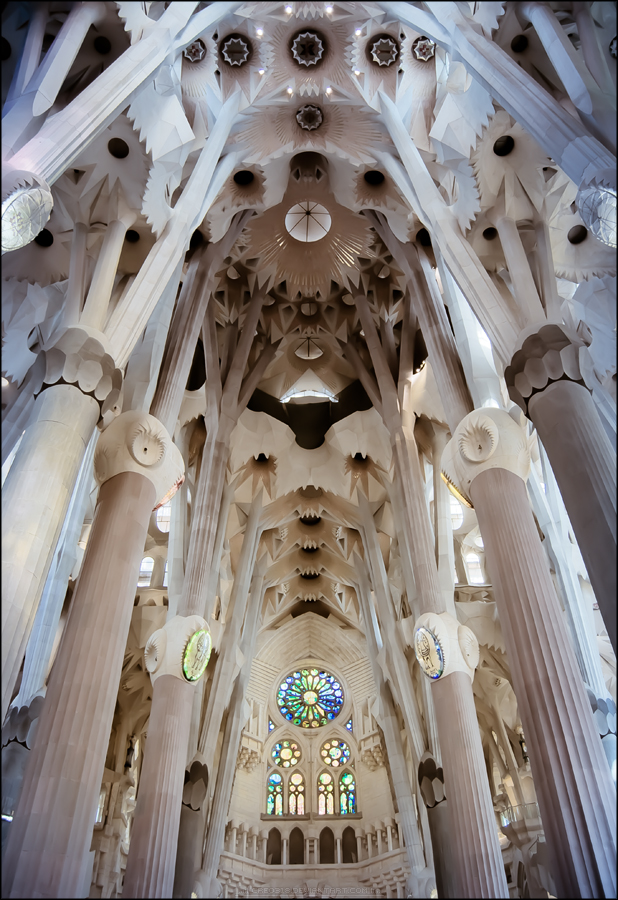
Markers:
(309, 449)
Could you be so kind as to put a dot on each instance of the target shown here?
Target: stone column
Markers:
(359, 847)
(284, 851)
(526, 294)
(80, 385)
(550, 378)
(152, 852)
(338, 858)
(488, 460)
(47, 854)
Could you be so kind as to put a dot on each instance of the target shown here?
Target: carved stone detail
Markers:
(484, 439)
(431, 781)
(460, 648)
(371, 751)
(137, 442)
(553, 353)
(249, 753)
(26, 206)
(79, 357)
(164, 650)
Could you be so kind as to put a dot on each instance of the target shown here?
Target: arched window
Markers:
(327, 847)
(296, 795)
(274, 802)
(164, 514)
(297, 848)
(326, 794)
(273, 847)
(348, 846)
(473, 568)
(145, 572)
(347, 793)
(456, 512)
(165, 575)
(335, 753)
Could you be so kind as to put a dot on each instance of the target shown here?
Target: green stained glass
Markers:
(286, 754)
(335, 753)
(347, 794)
(310, 698)
(274, 800)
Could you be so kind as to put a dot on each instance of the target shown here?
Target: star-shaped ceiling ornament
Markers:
(309, 117)
(384, 51)
(307, 48)
(424, 49)
(235, 51)
(196, 51)
(360, 468)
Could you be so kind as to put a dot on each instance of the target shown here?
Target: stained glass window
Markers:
(296, 795)
(145, 572)
(335, 753)
(271, 725)
(310, 698)
(286, 754)
(348, 725)
(326, 794)
(347, 793)
(274, 803)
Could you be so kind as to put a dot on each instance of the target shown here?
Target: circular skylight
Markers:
(308, 221)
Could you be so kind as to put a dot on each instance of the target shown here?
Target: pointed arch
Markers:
(297, 847)
(296, 794)
(274, 794)
(326, 793)
(273, 848)
(348, 846)
(327, 847)
(347, 793)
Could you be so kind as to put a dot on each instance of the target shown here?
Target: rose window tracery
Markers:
(310, 698)
(335, 753)
(309, 117)
(235, 51)
(286, 754)
(384, 51)
(307, 48)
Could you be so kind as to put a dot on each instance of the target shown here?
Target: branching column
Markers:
(48, 850)
(550, 378)
(80, 384)
(472, 815)
(488, 460)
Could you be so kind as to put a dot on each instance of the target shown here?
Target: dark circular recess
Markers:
(612, 47)
(358, 457)
(197, 239)
(235, 37)
(373, 177)
(504, 145)
(310, 50)
(310, 520)
(118, 148)
(44, 238)
(374, 40)
(490, 234)
(310, 549)
(519, 43)
(244, 177)
(577, 234)
(309, 575)
(5, 50)
(102, 45)
(423, 237)
(132, 236)
(261, 458)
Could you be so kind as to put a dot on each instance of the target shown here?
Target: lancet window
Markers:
(274, 800)
(296, 794)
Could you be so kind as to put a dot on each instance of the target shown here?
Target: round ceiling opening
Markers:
(308, 221)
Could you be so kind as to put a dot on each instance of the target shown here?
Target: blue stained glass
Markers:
(348, 725)
(271, 725)
(310, 698)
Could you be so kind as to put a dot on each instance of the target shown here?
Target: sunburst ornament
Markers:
(308, 221)
(195, 52)
(307, 48)
(235, 51)
(384, 51)
(424, 49)
(309, 117)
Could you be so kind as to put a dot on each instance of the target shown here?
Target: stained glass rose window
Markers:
(286, 754)
(310, 698)
(335, 753)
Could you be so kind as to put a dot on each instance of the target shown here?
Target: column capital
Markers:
(181, 648)
(485, 439)
(442, 646)
(27, 203)
(137, 442)
(80, 357)
(548, 353)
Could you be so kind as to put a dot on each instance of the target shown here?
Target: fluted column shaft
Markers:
(574, 786)
(52, 829)
(584, 464)
(442, 842)
(152, 856)
(477, 861)
(35, 500)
